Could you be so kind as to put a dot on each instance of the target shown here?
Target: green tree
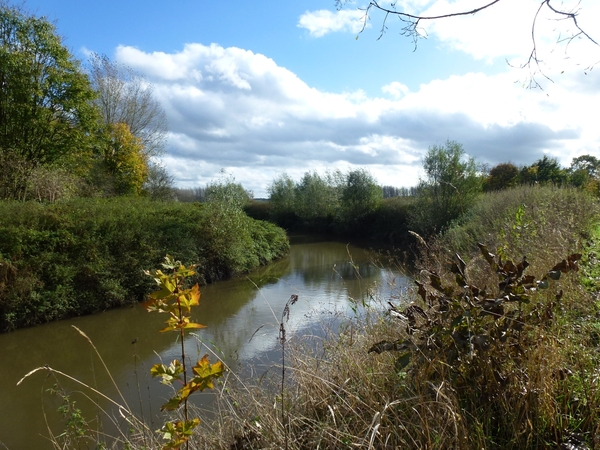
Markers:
(585, 173)
(361, 195)
(317, 198)
(583, 169)
(502, 176)
(229, 193)
(229, 227)
(46, 111)
(588, 163)
(451, 184)
(543, 171)
(282, 194)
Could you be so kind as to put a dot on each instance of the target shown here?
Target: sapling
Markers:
(174, 299)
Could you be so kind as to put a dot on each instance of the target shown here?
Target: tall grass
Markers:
(538, 389)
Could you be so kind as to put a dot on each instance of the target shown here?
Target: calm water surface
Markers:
(323, 274)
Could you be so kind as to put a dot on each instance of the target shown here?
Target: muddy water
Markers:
(324, 274)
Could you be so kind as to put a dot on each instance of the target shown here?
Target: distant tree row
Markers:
(68, 131)
(226, 189)
(353, 203)
(320, 202)
(391, 191)
(584, 173)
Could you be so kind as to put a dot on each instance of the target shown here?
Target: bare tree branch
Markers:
(124, 96)
(411, 23)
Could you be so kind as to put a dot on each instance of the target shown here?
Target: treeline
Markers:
(72, 131)
(584, 173)
(332, 202)
(353, 204)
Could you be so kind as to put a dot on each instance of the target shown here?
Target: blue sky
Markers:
(258, 88)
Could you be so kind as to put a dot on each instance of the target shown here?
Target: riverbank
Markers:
(87, 255)
(481, 353)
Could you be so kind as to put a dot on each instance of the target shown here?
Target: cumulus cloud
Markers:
(238, 110)
(321, 22)
(502, 31)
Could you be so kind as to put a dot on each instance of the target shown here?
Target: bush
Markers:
(86, 255)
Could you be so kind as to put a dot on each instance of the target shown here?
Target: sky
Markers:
(257, 89)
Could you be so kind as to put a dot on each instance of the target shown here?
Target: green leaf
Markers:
(457, 321)
(172, 404)
(177, 433)
(168, 373)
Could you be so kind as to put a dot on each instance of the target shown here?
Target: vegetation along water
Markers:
(495, 344)
(319, 271)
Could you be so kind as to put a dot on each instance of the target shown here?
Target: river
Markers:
(325, 275)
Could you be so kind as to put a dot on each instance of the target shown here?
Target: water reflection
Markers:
(323, 274)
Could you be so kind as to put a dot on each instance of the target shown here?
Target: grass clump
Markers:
(487, 351)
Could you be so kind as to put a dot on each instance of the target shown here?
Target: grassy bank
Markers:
(88, 255)
(485, 354)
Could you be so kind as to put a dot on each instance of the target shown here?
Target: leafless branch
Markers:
(411, 23)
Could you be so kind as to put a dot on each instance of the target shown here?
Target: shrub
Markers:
(86, 255)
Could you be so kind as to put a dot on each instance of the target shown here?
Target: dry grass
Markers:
(540, 389)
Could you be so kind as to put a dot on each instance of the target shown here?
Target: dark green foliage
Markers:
(259, 209)
(46, 114)
(502, 176)
(389, 224)
(84, 256)
(544, 171)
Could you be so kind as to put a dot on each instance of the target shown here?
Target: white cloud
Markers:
(321, 22)
(234, 109)
(395, 89)
(504, 30)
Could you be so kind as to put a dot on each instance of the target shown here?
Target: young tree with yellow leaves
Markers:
(123, 159)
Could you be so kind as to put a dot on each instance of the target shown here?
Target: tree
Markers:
(282, 195)
(585, 173)
(159, 183)
(229, 193)
(588, 164)
(412, 23)
(543, 171)
(318, 197)
(502, 176)
(46, 111)
(124, 160)
(361, 195)
(126, 97)
(449, 188)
